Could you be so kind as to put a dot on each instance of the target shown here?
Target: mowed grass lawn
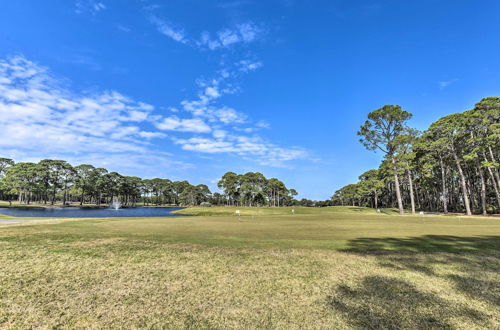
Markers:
(331, 268)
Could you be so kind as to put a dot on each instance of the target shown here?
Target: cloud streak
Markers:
(243, 33)
(240, 34)
(89, 6)
(167, 29)
(249, 147)
(444, 84)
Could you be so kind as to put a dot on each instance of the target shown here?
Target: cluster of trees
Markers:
(253, 189)
(313, 203)
(453, 166)
(50, 180)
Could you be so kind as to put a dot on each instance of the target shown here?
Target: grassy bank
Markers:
(297, 210)
(339, 269)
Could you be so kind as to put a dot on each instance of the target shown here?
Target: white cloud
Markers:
(123, 28)
(240, 34)
(248, 31)
(444, 84)
(205, 145)
(212, 92)
(89, 6)
(263, 124)
(98, 6)
(254, 147)
(194, 125)
(246, 65)
(204, 106)
(168, 29)
(37, 112)
(151, 135)
(197, 107)
(207, 41)
(219, 134)
(229, 116)
(228, 37)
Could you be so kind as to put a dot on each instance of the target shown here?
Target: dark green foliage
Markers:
(56, 180)
(453, 166)
(253, 189)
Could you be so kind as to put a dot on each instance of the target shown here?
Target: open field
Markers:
(298, 210)
(320, 268)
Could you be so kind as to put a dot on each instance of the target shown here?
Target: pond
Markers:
(76, 212)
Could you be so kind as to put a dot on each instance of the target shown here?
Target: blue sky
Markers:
(192, 89)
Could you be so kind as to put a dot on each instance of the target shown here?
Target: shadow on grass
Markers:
(358, 209)
(379, 302)
(471, 265)
(390, 211)
(428, 243)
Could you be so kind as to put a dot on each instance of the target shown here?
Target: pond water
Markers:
(76, 212)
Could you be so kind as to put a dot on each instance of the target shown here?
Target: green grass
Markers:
(249, 211)
(320, 268)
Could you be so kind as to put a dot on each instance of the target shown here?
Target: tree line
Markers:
(50, 181)
(453, 166)
(254, 189)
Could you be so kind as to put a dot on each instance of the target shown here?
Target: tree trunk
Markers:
(53, 197)
(462, 182)
(496, 170)
(65, 196)
(412, 198)
(443, 179)
(483, 189)
(396, 184)
(497, 192)
(376, 200)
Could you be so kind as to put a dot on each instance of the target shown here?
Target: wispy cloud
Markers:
(123, 28)
(204, 106)
(82, 59)
(89, 6)
(194, 125)
(253, 147)
(166, 28)
(247, 65)
(263, 124)
(446, 83)
(241, 33)
(232, 4)
(41, 116)
(37, 112)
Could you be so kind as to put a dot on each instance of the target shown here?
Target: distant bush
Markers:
(205, 204)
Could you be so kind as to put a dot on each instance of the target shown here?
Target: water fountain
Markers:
(116, 204)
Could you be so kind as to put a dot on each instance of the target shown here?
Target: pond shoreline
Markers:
(77, 212)
(59, 206)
